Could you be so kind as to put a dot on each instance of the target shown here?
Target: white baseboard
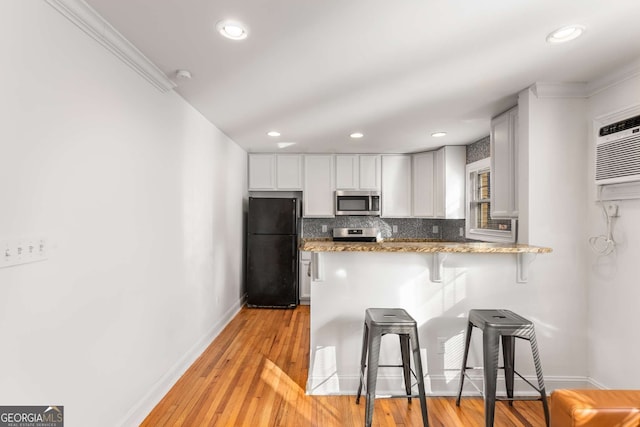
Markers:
(596, 384)
(139, 411)
(440, 385)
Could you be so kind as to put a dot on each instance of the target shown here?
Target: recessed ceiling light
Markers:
(438, 134)
(356, 135)
(285, 144)
(565, 34)
(273, 133)
(232, 30)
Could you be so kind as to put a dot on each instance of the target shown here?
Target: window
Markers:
(480, 225)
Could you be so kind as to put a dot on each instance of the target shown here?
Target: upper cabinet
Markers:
(262, 171)
(319, 186)
(438, 183)
(275, 172)
(289, 171)
(358, 172)
(421, 185)
(424, 185)
(449, 166)
(504, 172)
(396, 186)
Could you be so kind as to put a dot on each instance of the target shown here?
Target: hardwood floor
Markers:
(255, 371)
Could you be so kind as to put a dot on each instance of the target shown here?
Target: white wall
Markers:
(142, 202)
(552, 198)
(613, 280)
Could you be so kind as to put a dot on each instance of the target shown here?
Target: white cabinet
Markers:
(275, 172)
(370, 172)
(424, 185)
(358, 172)
(319, 186)
(304, 278)
(288, 172)
(438, 183)
(262, 171)
(449, 174)
(396, 186)
(347, 167)
(504, 173)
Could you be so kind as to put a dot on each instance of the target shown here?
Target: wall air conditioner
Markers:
(618, 152)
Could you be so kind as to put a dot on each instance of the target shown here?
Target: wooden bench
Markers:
(595, 408)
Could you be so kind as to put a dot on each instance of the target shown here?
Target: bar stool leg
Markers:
(508, 354)
(490, 348)
(372, 374)
(363, 359)
(406, 367)
(538, 365)
(417, 360)
(464, 360)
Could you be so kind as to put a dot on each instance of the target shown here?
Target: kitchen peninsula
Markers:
(436, 282)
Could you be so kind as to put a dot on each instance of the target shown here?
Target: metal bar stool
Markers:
(379, 322)
(505, 324)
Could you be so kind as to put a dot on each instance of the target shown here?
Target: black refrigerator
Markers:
(272, 252)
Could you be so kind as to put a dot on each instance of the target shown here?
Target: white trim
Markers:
(560, 90)
(613, 79)
(481, 234)
(92, 23)
(157, 391)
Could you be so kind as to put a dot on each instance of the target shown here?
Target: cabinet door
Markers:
(439, 180)
(347, 172)
(369, 172)
(289, 171)
(305, 277)
(396, 186)
(503, 165)
(262, 172)
(319, 186)
(423, 185)
(455, 161)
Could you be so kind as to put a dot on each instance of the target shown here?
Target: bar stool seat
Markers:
(379, 322)
(502, 325)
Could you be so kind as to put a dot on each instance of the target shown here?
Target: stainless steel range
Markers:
(356, 235)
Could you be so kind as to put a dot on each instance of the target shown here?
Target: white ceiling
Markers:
(396, 70)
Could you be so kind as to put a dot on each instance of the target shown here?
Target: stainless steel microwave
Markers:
(358, 203)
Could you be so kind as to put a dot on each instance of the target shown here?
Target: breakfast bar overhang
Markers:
(349, 277)
(437, 250)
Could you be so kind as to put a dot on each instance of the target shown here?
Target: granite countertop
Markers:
(418, 245)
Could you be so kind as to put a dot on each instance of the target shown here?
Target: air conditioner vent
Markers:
(618, 152)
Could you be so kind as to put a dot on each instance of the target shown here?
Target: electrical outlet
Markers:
(434, 229)
(442, 345)
(324, 228)
(461, 232)
(394, 228)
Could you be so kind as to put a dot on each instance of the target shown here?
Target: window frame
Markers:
(482, 234)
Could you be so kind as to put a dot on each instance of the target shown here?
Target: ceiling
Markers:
(395, 70)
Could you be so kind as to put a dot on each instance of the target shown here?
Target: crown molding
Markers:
(612, 79)
(92, 23)
(560, 90)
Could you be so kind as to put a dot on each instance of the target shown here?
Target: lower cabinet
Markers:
(304, 281)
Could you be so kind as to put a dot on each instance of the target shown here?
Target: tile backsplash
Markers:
(407, 228)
